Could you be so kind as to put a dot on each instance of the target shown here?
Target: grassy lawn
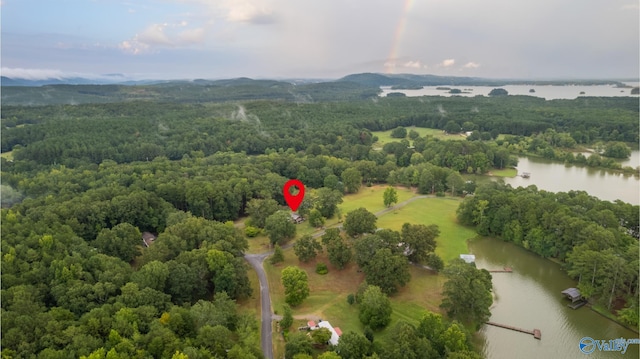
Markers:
(328, 298)
(505, 172)
(371, 198)
(441, 211)
(7, 155)
(384, 137)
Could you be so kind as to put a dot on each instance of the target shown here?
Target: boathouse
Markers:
(574, 295)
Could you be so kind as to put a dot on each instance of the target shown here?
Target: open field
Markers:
(371, 198)
(439, 210)
(505, 172)
(7, 155)
(384, 137)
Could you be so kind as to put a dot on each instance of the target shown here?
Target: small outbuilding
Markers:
(469, 258)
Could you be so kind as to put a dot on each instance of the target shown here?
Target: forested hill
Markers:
(363, 86)
(196, 91)
(143, 130)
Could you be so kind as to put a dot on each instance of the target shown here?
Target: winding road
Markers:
(257, 260)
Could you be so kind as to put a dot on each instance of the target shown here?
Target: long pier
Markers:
(536, 332)
(503, 270)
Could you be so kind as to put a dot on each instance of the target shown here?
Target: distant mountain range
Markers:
(400, 81)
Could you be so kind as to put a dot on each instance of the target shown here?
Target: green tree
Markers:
(278, 255)
(617, 150)
(339, 252)
(434, 262)
(454, 339)
(406, 343)
(216, 339)
(455, 181)
(330, 235)
(353, 346)
(387, 271)
(315, 218)
(306, 248)
(352, 179)
(329, 355)
(452, 127)
(260, 209)
(296, 285)
(287, 318)
(297, 343)
(375, 308)
(333, 182)
(399, 132)
(419, 240)
(390, 196)
(321, 336)
(122, 241)
(153, 275)
(413, 134)
(467, 292)
(279, 227)
(328, 201)
(498, 92)
(360, 221)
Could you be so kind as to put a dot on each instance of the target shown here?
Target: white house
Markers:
(335, 332)
(469, 258)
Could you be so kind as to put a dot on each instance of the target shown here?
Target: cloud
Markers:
(413, 64)
(154, 35)
(32, 74)
(630, 7)
(48, 74)
(249, 12)
(448, 63)
(471, 65)
(191, 36)
(157, 36)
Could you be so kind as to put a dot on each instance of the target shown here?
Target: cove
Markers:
(529, 298)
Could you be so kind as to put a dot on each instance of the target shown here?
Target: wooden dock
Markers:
(503, 270)
(536, 332)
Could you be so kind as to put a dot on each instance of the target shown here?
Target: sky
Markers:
(213, 39)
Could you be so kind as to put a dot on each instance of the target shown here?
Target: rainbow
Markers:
(393, 54)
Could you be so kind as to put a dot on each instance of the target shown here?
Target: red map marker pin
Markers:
(293, 201)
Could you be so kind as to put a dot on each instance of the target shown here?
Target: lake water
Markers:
(530, 298)
(547, 92)
(557, 177)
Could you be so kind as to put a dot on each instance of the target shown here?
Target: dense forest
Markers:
(597, 241)
(86, 180)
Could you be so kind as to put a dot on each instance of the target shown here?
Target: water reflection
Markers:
(530, 298)
(558, 177)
